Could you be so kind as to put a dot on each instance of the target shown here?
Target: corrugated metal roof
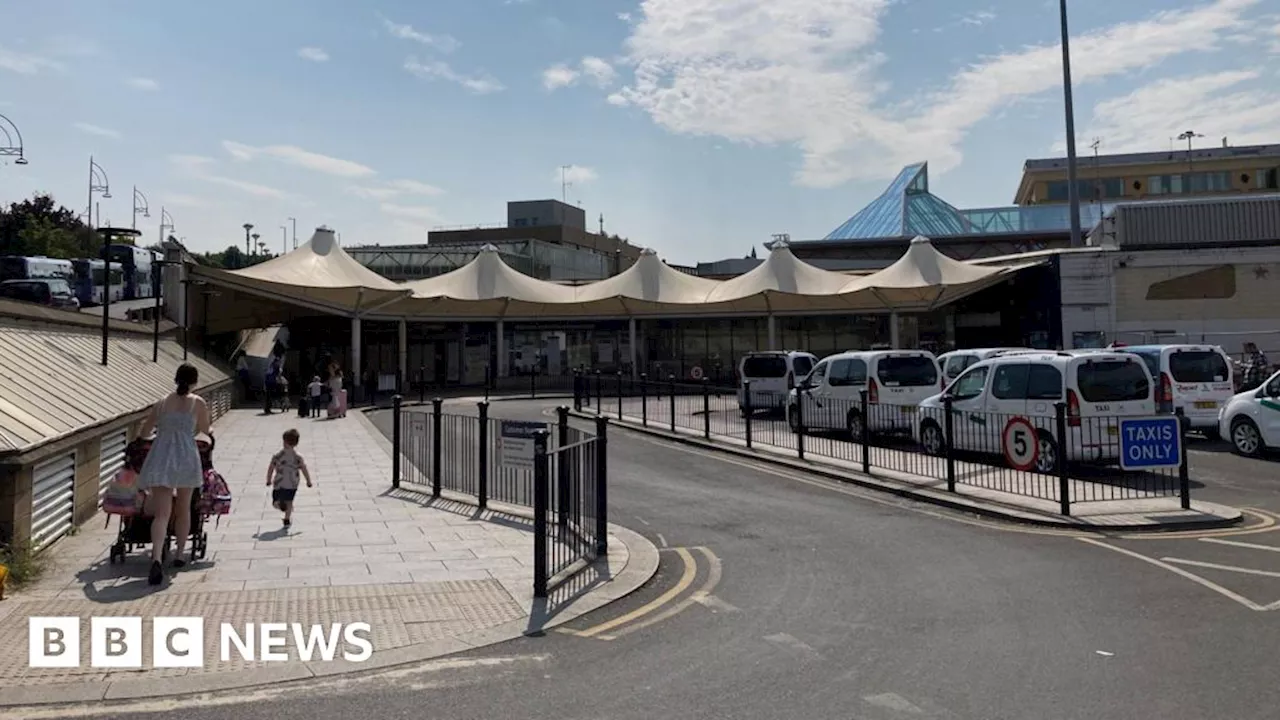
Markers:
(1203, 223)
(52, 382)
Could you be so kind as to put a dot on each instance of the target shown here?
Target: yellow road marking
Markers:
(1266, 523)
(713, 579)
(686, 579)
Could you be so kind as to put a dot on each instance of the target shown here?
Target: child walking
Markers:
(315, 390)
(283, 472)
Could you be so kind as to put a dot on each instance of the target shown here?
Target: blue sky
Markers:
(697, 127)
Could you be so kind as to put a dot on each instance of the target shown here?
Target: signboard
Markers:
(1150, 443)
(1021, 448)
(515, 442)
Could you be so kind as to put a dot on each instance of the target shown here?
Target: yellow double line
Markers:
(665, 605)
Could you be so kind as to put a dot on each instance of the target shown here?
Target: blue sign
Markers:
(515, 442)
(1150, 443)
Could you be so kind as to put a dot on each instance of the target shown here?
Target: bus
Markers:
(136, 264)
(35, 268)
(89, 282)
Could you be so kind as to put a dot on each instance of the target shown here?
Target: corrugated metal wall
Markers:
(53, 492)
(1148, 225)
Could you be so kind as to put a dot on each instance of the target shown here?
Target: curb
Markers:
(1225, 516)
(636, 556)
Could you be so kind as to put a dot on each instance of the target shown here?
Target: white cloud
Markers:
(199, 166)
(576, 175)
(558, 76)
(301, 158)
(411, 212)
(141, 83)
(434, 69)
(396, 188)
(314, 54)
(413, 187)
(1219, 102)
(443, 43)
(598, 70)
(25, 63)
(979, 18)
(98, 130)
(624, 17)
(806, 73)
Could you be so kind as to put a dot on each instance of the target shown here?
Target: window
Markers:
(1044, 382)
(764, 366)
(915, 371)
(1266, 179)
(815, 377)
(848, 372)
(957, 363)
(803, 365)
(1151, 358)
(970, 384)
(1010, 382)
(1198, 366)
(1113, 381)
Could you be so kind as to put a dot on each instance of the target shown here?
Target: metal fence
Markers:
(563, 479)
(1043, 452)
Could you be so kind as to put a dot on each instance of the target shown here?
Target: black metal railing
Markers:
(562, 478)
(1036, 451)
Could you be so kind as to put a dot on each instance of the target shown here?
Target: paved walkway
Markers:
(430, 577)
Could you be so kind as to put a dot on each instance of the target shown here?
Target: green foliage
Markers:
(25, 564)
(39, 226)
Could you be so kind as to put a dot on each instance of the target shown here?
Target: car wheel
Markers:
(854, 424)
(931, 438)
(1245, 438)
(1047, 455)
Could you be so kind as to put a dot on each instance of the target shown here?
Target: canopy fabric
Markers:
(487, 277)
(924, 276)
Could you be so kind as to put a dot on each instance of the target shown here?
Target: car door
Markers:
(1269, 412)
(1006, 400)
(812, 399)
(968, 409)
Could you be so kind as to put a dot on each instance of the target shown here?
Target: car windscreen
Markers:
(803, 365)
(765, 366)
(59, 287)
(915, 371)
(1112, 381)
(1152, 360)
(1198, 366)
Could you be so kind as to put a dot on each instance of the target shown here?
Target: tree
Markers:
(39, 226)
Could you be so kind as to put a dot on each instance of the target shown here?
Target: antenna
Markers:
(564, 183)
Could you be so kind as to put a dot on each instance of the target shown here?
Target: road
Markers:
(785, 596)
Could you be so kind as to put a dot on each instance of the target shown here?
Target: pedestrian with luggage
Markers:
(282, 475)
(172, 471)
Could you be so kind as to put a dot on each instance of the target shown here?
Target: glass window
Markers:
(1112, 381)
(1266, 179)
(818, 374)
(1151, 358)
(970, 384)
(1044, 382)
(957, 363)
(848, 372)
(1198, 366)
(907, 371)
(804, 365)
(1010, 382)
(1056, 190)
(764, 366)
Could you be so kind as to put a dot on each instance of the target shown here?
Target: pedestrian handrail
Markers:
(562, 478)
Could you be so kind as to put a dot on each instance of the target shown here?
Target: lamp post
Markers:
(1073, 192)
(257, 244)
(248, 228)
(98, 183)
(144, 207)
(12, 146)
(166, 221)
(157, 283)
(108, 234)
(295, 232)
(1191, 166)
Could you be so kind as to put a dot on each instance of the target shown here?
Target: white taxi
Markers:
(1251, 419)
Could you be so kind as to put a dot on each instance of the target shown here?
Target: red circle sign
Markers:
(1021, 448)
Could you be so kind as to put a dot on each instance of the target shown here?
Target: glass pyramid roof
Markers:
(904, 209)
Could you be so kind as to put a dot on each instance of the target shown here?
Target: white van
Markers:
(772, 375)
(1251, 419)
(895, 380)
(1097, 388)
(1195, 378)
(957, 361)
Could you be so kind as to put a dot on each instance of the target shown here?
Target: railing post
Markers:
(644, 400)
(602, 487)
(541, 500)
(577, 391)
(706, 408)
(800, 424)
(1064, 483)
(395, 441)
(437, 421)
(599, 393)
(1184, 472)
(422, 384)
(671, 385)
(482, 482)
(948, 438)
(866, 431)
(746, 409)
(562, 467)
(619, 396)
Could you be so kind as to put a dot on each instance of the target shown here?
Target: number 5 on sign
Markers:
(1021, 449)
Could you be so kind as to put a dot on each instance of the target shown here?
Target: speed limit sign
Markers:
(1019, 442)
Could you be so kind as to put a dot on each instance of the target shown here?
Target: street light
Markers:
(145, 207)
(258, 245)
(1189, 136)
(12, 141)
(166, 221)
(1073, 192)
(98, 183)
(248, 227)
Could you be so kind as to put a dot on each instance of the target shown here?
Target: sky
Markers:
(699, 128)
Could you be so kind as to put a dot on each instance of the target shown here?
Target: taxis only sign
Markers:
(1150, 443)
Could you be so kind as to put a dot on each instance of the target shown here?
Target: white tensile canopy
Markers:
(924, 278)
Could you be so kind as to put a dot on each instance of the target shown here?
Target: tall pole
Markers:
(134, 225)
(88, 209)
(247, 228)
(156, 269)
(295, 232)
(106, 293)
(1073, 192)
(284, 240)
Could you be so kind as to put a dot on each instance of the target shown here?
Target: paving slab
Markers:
(429, 578)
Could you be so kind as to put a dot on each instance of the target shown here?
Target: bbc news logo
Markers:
(179, 642)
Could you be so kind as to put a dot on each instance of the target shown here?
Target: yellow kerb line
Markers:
(690, 572)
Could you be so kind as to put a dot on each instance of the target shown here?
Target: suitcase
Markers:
(304, 407)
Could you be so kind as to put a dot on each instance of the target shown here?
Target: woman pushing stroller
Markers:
(172, 471)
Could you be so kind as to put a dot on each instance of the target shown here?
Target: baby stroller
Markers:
(125, 500)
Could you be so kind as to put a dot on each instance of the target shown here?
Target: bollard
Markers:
(1184, 473)
(482, 482)
(395, 442)
(437, 421)
(706, 408)
(619, 396)
(746, 409)
(599, 393)
(866, 433)
(1064, 483)
(541, 500)
(644, 400)
(948, 429)
(800, 424)
(602, 487)
(577, 391)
